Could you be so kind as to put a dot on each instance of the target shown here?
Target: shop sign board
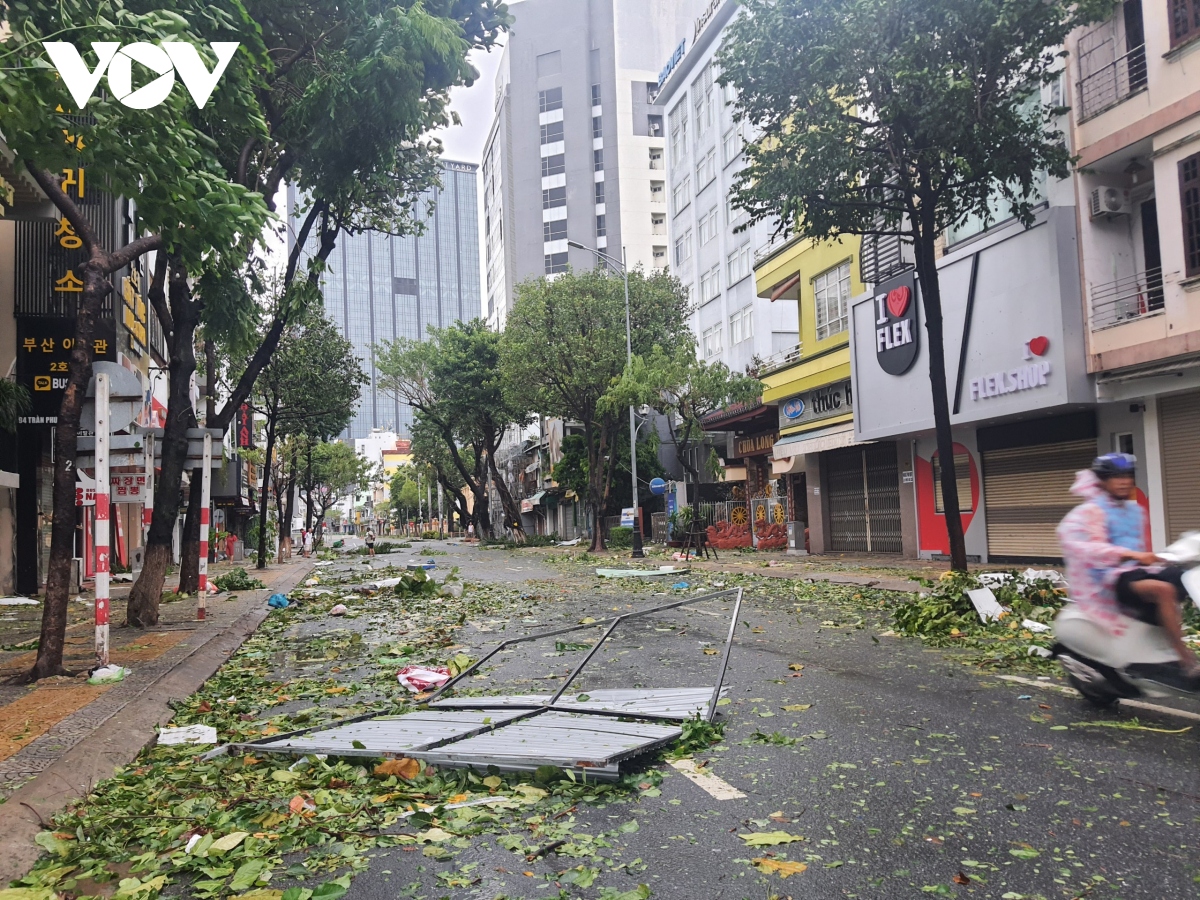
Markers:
(755, 444)
(1034, 373)
(896, 332)
(44, 347)
(824, 402)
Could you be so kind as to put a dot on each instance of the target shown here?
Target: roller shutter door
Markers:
(1026, 493)
(1179, 420)
(863, 484)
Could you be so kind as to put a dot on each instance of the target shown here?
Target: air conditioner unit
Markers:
(1109, 201)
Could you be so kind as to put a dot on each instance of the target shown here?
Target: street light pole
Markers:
(623, 268)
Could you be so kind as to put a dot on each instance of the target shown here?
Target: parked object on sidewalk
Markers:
(109, 674)
(277, 601)
(339, 610)
(188, 734)
(419, 679)
(589, 734)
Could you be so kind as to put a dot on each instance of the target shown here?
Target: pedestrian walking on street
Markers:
(308, 543)
(370, 537)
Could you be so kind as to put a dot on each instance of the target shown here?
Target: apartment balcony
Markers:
(1112, 62)
(1133, 297)
(780, 360)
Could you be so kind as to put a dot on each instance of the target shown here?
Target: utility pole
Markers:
(623, 268)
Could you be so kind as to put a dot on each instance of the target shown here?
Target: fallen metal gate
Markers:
(589, 733)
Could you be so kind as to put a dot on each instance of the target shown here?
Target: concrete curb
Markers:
(114, 744)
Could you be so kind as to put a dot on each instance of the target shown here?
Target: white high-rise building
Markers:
(577, 142)
(703, 155)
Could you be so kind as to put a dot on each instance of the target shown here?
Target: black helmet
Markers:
(1112, 465)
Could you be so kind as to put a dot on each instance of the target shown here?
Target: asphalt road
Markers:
(909, 775)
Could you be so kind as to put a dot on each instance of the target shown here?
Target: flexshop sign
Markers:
(1034, 374)
(896, 324)
(165, 60)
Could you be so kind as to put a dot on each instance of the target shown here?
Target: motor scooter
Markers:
(1140, 662)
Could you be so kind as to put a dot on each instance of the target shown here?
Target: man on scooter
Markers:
(1110, 571)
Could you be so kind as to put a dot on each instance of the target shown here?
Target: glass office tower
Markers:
(378, 287)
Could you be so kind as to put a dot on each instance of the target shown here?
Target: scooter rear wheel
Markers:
(1091, 679)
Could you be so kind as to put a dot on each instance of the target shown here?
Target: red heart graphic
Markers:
(897, 300)
(1039, 345)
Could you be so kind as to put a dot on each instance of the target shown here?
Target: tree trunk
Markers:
(290, 488)
(595, 489)
(924, 239)
(142, 611)
(266, 493)
(66, 434)
(189, 562)
(512, 511)
(308, 516)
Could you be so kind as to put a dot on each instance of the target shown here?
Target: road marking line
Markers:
(1132, 704)
(708, 782)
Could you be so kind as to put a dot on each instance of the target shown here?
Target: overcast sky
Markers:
(464, 143)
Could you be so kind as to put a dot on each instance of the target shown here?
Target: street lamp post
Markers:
(621, 267)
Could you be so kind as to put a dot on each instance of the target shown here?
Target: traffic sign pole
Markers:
(148, 497)
(205, 500)
(103, 490)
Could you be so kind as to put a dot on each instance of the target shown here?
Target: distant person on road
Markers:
(370, 539)
(1109, 569)
(308, 543)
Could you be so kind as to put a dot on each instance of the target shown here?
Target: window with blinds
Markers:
(1189, 201)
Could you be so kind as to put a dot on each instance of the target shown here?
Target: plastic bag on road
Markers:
(108, 674)
(188, 734)
(277, 601)
(419, 679)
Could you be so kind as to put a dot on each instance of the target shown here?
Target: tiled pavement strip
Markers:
(40, 753)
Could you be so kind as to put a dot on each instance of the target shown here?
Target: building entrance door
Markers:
(863, 484)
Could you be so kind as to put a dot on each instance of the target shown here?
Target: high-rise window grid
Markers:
(554, 165)
(595, 95)
(739, 264)
(556, 263)
(832, 292)
(550, 100)
(707, 227)
(601, 227)
(599, 193)
(554, 197)
(683, 248)
(598, 159)
(741, 325)
(597, 127)
(710, 285)
(677, 126)
(706, 169)
(732, 144)
(681, 196)
(710, 341)
(552, 132)
(702, 99)
(555, 230)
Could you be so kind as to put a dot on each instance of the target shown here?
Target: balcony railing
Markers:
(1125, 299)
(780, 360)
(1112, 82)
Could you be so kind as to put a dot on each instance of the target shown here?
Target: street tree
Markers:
(349, 93)
(901, 117)
(563, 354)
(14, 400)
(431, 451)
(310, 386)
(336, 471)
(452, 381)
(164, 159)
(685, 389)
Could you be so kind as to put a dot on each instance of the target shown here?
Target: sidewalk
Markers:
(62, 736)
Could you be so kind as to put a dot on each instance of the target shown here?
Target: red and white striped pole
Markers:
(148, 491)
(205, 500)
(103, 487)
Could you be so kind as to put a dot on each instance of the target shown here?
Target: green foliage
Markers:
(237, 580)
(383, 547)
(14, 400)
(620, 537)
(915, 113)
(531, 540)
(946, 607)
(698, 735)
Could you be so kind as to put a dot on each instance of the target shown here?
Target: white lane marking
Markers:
(707, 781)
(1131, 704)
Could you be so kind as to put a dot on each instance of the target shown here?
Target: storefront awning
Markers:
(793, 465)
(816, 442)
(536, 499)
